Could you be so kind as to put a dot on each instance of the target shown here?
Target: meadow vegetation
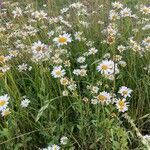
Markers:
(75, 75)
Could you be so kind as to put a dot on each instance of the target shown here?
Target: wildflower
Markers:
(63, 39)
(82, 72)
(122, 63)
(3, 102)
(58, 72)
(17, 12)
(85, 99)
(94, 101)
(126, 12)
(76, 72)
(13, 53)
(2, 59)
(113, 15)
(4, 68)
(53, 147)
(25, 102)
(106, 56)
(146, 27)
(121, 48)
(84, 23)
(121, 105)
(67, 63)
(146, 41)
(64, 10)
(92, 51)
(145, 10)
(64, 81)
(83, 66)
(39, 15)
(110, 39)
(125, 92)
(22, 67)
(64, 140)
(81, 59)
(65, 93)
(78, 36)
(147, 137)
(147, 68)
(107, 67)
(117, 5)
(38, 47)
(72, 86)
(94, 89)
(5, 112)
(104, 97)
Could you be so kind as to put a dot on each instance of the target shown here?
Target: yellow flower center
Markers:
(6, 112)
(2, 102)
(104, 67)
(2, 59)
(64, 82)
(121, 104)
(125, 92)
(62, 39)
(146, 10)
(58, 72)
(39, 48)
(101, 98)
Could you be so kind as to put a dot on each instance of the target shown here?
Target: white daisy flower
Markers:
(107, 67)
(25, 102)
(39, 15)
(17, 12)
(145, 10)
(81, 59)
(125, 92)
(76, 72)
(58, 72)
(104, 97)
(117, 5)
(113, 15)
(2, 59)
(147, 137)
(3, 102)
(94, 101)
(53, 147)
(78, 36)
(64, 81)
(38, 47)
(64, 140)
(122, 63)
(83, 72)
(4, 68)
(65, 93)
(22, 67)
(126, 12)
(63, 39)
(121, 48)
(5, 112)
(122, 105)
(92, 51)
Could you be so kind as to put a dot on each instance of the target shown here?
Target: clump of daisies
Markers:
(4, 101)
(122, 103)
(40, 51)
